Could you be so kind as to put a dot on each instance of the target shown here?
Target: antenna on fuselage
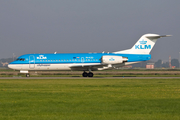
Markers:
(55, 52)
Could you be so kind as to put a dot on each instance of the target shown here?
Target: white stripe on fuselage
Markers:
(47, 66)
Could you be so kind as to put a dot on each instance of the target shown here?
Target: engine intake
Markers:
(113, 59)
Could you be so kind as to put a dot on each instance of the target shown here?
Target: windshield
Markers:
(20, 59)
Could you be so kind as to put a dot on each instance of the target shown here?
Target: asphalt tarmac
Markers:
(89, 77)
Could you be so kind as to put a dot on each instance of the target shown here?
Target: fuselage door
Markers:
(31, 62)
(82, 59)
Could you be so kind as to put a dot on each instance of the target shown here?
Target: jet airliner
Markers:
(87, 61)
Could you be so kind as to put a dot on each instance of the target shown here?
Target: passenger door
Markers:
(82, 59)
(31, 62)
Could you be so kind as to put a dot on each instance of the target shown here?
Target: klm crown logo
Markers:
(142, 42)
(111, 59)
(41, 57)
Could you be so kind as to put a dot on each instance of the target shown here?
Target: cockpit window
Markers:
(20, 59)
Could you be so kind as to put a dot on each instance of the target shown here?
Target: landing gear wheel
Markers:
(27, 75)
(84, 74)
(90, 74)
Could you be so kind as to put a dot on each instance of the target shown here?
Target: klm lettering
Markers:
(142, 46)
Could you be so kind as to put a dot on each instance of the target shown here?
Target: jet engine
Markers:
(113, 59)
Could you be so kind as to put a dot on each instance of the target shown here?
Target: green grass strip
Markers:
(89, 99)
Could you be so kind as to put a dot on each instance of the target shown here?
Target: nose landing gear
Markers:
(85, 74)
(27, 75)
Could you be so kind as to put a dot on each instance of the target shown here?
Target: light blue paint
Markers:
(70, 58)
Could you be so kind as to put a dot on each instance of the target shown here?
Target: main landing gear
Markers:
(85, 74)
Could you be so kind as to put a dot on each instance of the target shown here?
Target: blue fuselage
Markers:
(73, 58)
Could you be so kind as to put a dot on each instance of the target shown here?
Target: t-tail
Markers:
(144, 45)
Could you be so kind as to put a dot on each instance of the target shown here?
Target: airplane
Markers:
(87, 61)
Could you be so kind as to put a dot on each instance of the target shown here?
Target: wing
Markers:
(87, 66)
(94, 66)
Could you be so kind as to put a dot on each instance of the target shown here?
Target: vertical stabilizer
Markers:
(144, 45)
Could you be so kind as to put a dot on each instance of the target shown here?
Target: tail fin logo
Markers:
(143, 42)
(142, 45)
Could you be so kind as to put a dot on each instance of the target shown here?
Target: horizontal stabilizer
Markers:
(156, 37)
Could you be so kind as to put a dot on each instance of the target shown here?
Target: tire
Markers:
(27, 75)
(90, 74)
(84, 74)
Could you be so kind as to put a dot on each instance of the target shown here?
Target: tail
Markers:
(144, 45)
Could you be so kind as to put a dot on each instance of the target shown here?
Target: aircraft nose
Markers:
(10, 66)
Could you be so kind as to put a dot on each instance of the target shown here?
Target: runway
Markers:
(89, 77)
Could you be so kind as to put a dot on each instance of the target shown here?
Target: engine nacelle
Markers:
(113, 59)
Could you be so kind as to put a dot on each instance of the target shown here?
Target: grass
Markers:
(104, 99)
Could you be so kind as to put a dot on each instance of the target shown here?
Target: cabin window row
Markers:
(72, 60)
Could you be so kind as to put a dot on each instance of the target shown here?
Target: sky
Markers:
(81, 26)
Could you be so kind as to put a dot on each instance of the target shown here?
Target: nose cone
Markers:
(10, 66)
